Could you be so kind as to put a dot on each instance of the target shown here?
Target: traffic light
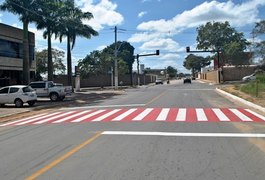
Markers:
(187, 49)
(157, 52)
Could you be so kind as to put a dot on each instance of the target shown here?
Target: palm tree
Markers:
(48, 21)
(71, 26)
(25, 10)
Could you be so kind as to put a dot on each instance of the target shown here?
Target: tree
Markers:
(172, 72)
(71, 26)
(195, 63)
(49, 20)
(260, 46)
(221, 36)
(25, 10)
(42, 61)
(125, 53)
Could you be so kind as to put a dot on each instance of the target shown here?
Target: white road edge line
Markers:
(105, 106)
(181, 134)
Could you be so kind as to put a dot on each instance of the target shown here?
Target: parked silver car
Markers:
(249, 78)
(17, 95)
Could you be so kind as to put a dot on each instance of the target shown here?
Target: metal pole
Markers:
(218, 65)
(138, 76)
(116, 63)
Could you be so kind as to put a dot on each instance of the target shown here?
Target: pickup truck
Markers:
(50, 89)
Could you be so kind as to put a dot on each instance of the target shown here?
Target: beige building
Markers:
(11, 55)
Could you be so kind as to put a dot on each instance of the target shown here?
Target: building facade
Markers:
(11, 55)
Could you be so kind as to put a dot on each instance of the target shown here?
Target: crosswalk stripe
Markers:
(221, 116)
(18, 121)
(240, 115)
(72, 116)
(256, 114)
(125, 114)
(163, 114)
(200, 115)
(88, 115)
(106, 115)
(181, 116)
(142, 114)
(148, 114)
(54, 117)
(38, 118)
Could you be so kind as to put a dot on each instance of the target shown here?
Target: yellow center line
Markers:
(156, 98)
(63, 157)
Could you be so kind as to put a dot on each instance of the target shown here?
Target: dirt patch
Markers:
(235, 90)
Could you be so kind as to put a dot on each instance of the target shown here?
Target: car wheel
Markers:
(18, 103)
(31, 103)
(2, 105)
(54, 97)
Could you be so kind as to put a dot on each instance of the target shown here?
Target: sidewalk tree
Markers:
(42, 61)
(218, 35)
(25, 10)
(195, 63)
(172, 72)
(48, 20)
(72, 26)
(259, 30)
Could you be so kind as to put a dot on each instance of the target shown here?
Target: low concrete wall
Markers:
(105, 80)
(228, 73)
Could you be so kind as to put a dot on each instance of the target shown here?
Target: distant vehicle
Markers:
(249, 77)
(159, 81)
(55, 91)
(193, 78)
(187, 80)
(17, 95)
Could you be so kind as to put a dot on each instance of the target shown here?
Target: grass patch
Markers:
(255, 88)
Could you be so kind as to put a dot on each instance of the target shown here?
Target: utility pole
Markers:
(115, 61)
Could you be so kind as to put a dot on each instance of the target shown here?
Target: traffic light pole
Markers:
(211, 51)
(137, 58)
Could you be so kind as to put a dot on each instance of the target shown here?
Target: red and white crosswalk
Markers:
(143, 115)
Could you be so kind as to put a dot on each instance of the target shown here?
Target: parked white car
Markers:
(249, 78)
(17, 95)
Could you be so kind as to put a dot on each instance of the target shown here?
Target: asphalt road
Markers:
(138, 150)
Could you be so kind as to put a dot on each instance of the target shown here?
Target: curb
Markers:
(241, 100)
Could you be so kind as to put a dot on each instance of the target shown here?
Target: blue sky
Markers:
(167, 25)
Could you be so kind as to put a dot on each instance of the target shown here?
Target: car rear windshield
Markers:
(27, 89)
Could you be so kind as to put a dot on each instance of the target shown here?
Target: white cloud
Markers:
(101, 47)
(237, 15)
(104, 13)
(162, 44)
(141, 14)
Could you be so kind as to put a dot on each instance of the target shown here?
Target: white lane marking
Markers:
(242, 116)
(72, 116)
(181, 134)
(181, 115)
(14, 122)
(123, 115)
(201, 115)
(221, 116)
(106, 115)
(38, 118)
(163, 114)
(256, 114)
(106, 106)
(88, 116)
(54, 117)
(143, 114)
